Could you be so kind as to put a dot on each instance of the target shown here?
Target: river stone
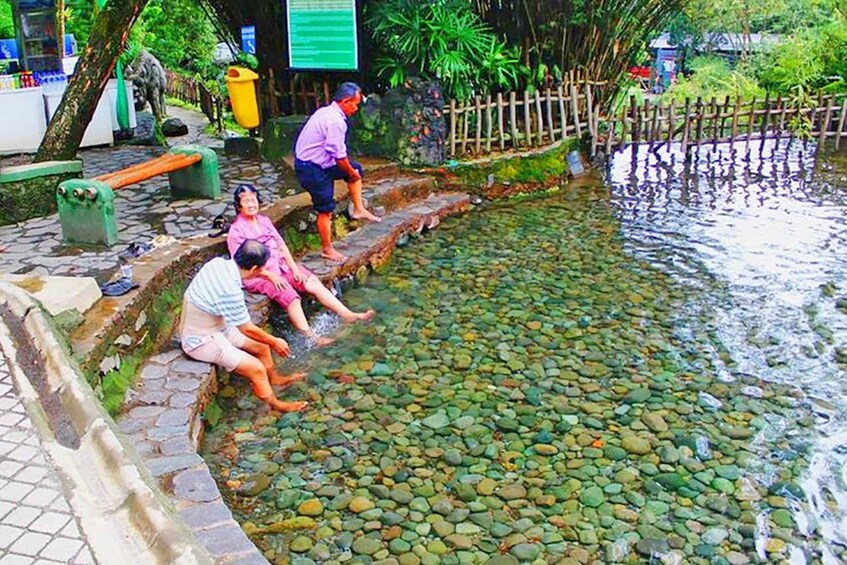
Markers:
(254, 484)
(512, 492)
(636, 445)
(592, 497)
(436, 421)
(453, 457)
(637, 396)
(783, 518)
(654, 422)
(465, 493)
(360, 504)
(652, 546)
(503, 560)
(526, 552)
(311, 507)
(728, 472)
(459, 541)
(300, 544)
(714, 536)
(486, 487)
(614, 452)
(366, 546)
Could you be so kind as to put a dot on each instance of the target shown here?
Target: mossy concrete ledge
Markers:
(29, 191)
(120, 509)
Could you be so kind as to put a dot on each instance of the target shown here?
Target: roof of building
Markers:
(722, 42)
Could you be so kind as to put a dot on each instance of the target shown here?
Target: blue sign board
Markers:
(248, 39)
(70, 45)
(8, 49)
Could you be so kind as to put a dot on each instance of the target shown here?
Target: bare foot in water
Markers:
(360, 316)
(365, 214)
(280, 406)
(321, 341)
(286, 382)
(333, 256)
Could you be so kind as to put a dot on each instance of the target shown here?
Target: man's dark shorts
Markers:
(318, 182)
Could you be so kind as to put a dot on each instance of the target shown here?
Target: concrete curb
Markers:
(122, 513)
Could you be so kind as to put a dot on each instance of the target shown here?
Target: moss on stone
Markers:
(31, 198)
(540, 169)
(162, 315)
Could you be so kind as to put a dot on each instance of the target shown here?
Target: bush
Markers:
(442, 40)
(7, 24)
(791, 64)
(712, 77)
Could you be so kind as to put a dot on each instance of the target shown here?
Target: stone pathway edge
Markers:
(121, 511)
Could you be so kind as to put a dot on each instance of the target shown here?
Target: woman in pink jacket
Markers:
(283, 279)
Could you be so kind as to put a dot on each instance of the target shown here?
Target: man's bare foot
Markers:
(333, 255)
(286, 382)
(321, 340)
(359, 316)
(365, 214)
(280, 406)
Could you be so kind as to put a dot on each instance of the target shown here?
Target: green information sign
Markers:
(322, 35)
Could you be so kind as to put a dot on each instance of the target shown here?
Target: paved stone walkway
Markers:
(36, 523)
(143, 210)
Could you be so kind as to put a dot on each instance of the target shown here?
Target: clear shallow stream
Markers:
(649, 368)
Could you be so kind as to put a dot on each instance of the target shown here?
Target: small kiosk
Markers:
(33, 77)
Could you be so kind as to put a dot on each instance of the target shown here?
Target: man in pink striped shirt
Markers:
(320, 158)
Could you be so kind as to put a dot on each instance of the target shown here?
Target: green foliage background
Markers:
(7, 26)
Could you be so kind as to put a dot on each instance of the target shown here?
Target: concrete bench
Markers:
(87, 206)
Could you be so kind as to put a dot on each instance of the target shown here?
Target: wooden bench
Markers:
(87, 206)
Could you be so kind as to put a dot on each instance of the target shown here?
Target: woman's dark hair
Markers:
(242, 188)
(251, 254)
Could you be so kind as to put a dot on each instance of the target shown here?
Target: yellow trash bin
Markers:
(242, 95)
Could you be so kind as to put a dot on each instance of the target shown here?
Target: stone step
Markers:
(394, 192)
(372, 244)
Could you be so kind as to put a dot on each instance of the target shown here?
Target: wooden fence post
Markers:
(466, 124)
(563, 118)
(550, 127)
(575, 109)
(539, 120)
(687, 125)
(841, 119)
(488, 120)
(478, 114)
(526, 119)
(513, 118)
(453, 118)
(826, 120)
(636, 122)
(500, 122)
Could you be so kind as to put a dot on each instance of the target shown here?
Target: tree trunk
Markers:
(108, 37)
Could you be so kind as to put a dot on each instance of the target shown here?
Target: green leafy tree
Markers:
(179, 33)
(444, 40)
(7, 24)
(79, 17)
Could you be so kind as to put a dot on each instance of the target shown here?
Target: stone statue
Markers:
(148, 78)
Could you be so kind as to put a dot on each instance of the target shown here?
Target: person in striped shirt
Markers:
(215, 325)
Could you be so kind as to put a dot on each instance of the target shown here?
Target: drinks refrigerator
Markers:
(39, 35)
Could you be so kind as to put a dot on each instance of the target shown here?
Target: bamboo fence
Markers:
(516, 120)
(194, 92)
(698, 122)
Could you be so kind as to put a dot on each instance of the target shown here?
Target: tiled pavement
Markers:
(36, 524)
(143, 210)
